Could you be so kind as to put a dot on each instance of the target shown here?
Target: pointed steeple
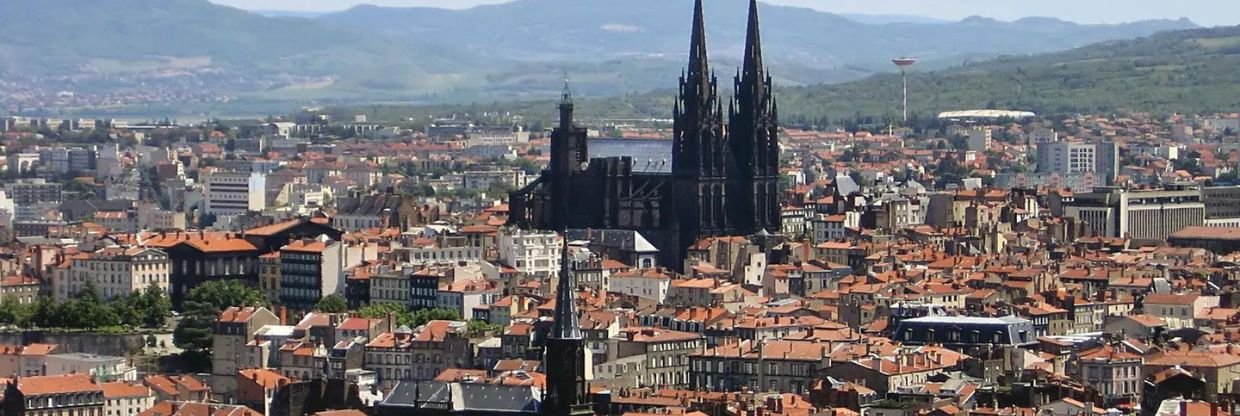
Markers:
(565, 326)
(699, 67)
(753, 66)
(566, 106)
(753, 139)
(698, 122)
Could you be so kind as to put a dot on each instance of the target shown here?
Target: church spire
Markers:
(567, 392)
(753, 139)
(566, 106)
(753, 70)
(697, 127)
(698, 63)
(565, 326)
(699, 67)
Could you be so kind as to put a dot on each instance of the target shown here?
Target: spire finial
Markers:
(567, 95)
(566, 106)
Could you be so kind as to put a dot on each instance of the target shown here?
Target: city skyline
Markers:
(1202, 12)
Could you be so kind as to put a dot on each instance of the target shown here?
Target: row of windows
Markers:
(212, 267)
(300, 280)
(671, 346)
(300, 267)
(728, 383)
(119, 267)
(299, 293)
(750, 367)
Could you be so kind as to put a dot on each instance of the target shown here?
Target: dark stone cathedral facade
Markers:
(724, 174)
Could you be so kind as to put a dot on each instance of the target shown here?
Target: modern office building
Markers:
(1222, 206)
(1140, 214)
(1073, 158)
(233, 192)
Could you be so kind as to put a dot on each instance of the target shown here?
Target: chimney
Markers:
(283, 315)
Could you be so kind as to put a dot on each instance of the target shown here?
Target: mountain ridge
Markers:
(1188, 71)
(493, 52)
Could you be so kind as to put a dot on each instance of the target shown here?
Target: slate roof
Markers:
(369, 205)
(477, 397)
(649, 156)
(626, 240)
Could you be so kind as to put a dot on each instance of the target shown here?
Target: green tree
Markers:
(381, 310)
(332, 303)
(422, 316)
(203, 306)
(193, 332)
(128, 309)
(478, 328)
(156, 307)
(224, 293)
(13, 312)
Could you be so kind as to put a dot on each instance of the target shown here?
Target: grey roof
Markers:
(369, 205)
(492, 398)
(626, 240)
(970, 320)
(413, 393)
(846, 185)
(649, 156)
(969, 330)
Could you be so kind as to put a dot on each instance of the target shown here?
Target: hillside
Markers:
(617, 47)
(63, 56)
(1191, 71)
(99, 44)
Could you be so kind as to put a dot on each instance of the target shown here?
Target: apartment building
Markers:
(126, 399)
(62, 395)
(1114, 373)
(465, 295)
(310, 270)
(790, 366)
(533, 253)
(233, 192)
(665, 354)
(233, 330)
(418, 354)
(115, 271)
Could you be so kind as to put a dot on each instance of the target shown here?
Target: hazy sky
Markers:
(1203, 12)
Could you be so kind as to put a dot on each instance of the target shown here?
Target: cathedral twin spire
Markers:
(699, 148)
(745, 156)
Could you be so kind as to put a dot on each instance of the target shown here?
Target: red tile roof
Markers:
(119, 389)
(67, 383)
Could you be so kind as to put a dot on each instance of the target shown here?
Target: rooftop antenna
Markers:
(903, 64)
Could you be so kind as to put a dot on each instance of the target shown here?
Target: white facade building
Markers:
(234, 193)
(533, 253)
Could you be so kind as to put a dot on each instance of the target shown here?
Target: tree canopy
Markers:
(87, 310)
(332, 303)
(204, 304)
